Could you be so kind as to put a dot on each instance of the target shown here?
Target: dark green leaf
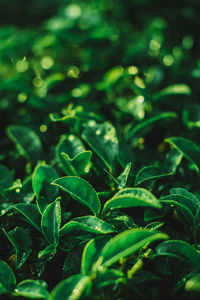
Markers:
(30, 212)
(42, 177)
(80, 190)
(150, 173)
(7, 277)
(187, 148)
(180, 250)
(50, 223)
(103, 140)
(21, 240)
(27, 141)
(73, 158)
(132, 197)
(146, 124)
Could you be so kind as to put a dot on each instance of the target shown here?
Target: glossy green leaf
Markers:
(125, 244)
(180, 250)
(72, 288)
(80, 190)
(32, 289)
(73, 158)
(43, 175)
(88, 224)
(7, 277)
(27, 141)
(50, 222)
(103, 140)
(21, 240)
(193, 284)
(91, 253)
(121, 180)
(132, 197)
(150, 173)
(30, 212)
(175, 89)
(187, 148)
(146, 124)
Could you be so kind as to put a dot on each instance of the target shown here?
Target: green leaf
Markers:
(174, 89)
(43, 175)
(125, 244)
(49, 250)
(50, 222)
(73, 158)
(81, 191)
(121, 180)
(108, 277)
(21, 240)
(72, 288)
(132, 197)
(91, 253)
(6, 178)
(7, 277)
(27, 141)
(193, 284)
(150, 173)
(173, 159)
(182, 206)
(180, 250)
(33, 289)
(187, 148)
(88, 224)
(103, 140)
(30, 212)
(145, 125)
(192, 201)
(191, 116)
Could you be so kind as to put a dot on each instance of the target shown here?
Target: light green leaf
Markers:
(103, 140)
(88, 224)
(174, 89)
(80, 190)
(193, 284)
(150, 173)
(187, 148)
(125, 244)
(91, 253)
(132, 197)
(50, 222)
(72, 288)
(7, 277)
(27, 141)
(33, 289)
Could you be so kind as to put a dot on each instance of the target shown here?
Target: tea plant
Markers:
(100, 151)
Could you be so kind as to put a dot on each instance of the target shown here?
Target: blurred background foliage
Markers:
(111, 58)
